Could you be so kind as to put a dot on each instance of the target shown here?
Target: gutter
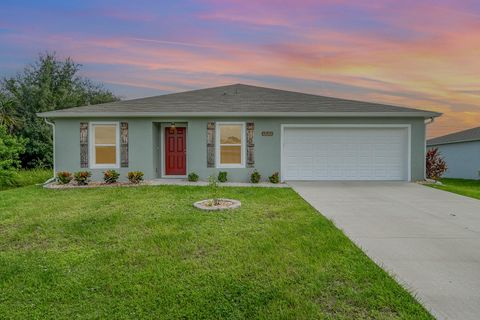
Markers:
(106, 114)
(54, 164)
(429, 121)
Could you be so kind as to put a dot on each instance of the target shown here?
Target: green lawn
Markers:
(131, 253)
(469, 188)
(29, 177)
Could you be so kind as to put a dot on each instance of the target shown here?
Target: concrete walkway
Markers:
(184, 182)
(427, 238)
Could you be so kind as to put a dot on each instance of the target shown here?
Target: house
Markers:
(461, 152)
(239, 128)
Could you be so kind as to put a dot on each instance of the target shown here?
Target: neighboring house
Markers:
(239, 128)
(461, 152)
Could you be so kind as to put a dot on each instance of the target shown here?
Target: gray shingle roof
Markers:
(472, 134)
(238, 99)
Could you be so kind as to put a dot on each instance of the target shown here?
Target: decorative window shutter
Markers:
(124, 144)
(211, 145)
(84, 144)
(250, 145)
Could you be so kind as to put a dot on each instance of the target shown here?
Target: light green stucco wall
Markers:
(144, 144)
(141, 150)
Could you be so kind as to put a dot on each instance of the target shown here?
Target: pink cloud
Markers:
(436, 68)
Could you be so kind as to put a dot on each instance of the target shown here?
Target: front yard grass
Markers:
(465, 187)
(145, 252)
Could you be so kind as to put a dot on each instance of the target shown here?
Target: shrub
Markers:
(255, 177)
(435, 165)
(110, 176)
(29, 177)
(64, 177)
(193, 177)
(274, 178)
(82, 177)
(222, 176)
(11, 148)
(135, 176)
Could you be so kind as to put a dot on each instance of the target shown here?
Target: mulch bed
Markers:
(93, 184)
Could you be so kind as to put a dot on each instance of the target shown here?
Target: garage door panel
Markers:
(345, 153)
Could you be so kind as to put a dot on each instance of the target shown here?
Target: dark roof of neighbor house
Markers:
(472, 134)
(238, 100)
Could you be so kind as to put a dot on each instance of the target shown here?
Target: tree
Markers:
(48, 84)
(10, 149)
(8, 117)
(435, 164)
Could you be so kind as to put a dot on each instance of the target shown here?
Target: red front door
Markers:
(175, 152)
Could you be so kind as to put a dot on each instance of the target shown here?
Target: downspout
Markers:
(54, 164)
(427, 122)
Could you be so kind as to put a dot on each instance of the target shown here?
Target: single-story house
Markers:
(461, 152)
(240, 128)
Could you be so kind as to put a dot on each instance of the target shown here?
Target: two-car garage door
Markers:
(345, 153)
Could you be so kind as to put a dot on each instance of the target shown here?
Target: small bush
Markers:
(11, 147)
(435, 165)
(110, 176)
(222, 176)
(255, 177)
(274, 178)
(135, 176)
(82, 178)
(64, 177)
(193, 177)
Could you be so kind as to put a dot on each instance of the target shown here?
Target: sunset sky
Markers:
(422, 54)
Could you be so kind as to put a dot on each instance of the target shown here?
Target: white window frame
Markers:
(217, 145)
(91, 134)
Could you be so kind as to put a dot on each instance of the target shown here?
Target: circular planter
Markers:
(225, 204)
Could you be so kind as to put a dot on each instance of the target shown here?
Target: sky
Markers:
(422, 54)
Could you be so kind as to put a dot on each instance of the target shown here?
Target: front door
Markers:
(175, 152)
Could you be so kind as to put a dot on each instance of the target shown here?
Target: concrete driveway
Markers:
(427, 238)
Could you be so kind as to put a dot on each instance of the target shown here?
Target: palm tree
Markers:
(7, 113)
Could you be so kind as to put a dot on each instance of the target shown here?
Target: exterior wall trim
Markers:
(407, 126)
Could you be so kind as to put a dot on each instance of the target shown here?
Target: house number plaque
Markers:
(267, 133)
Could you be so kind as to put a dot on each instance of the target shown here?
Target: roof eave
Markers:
(66, 114)
(429, 144)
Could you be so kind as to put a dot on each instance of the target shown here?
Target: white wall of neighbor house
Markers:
(463, 159)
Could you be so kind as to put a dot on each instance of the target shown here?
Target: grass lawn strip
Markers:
(464, 187)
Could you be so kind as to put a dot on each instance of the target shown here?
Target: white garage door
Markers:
(345, 153)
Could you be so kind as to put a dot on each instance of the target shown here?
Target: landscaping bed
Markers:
(94, 184)
(146, 252)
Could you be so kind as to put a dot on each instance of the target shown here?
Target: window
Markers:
(104, 145)
(230, 145)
